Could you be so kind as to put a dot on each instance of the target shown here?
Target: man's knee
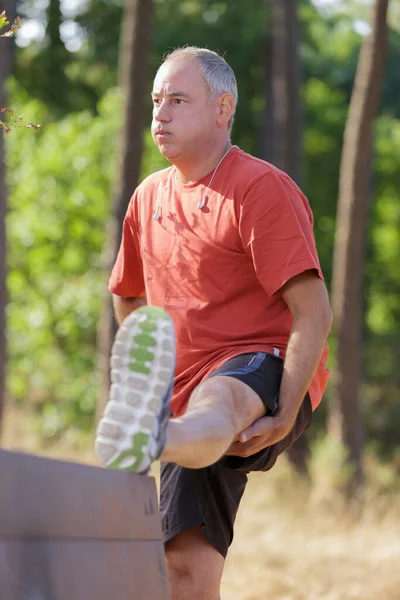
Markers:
(239, 400)
(183, 581)
(188, 581)
(194, 567)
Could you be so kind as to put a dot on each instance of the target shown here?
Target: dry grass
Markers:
(288, 548)
(21, 433)
(289, 544)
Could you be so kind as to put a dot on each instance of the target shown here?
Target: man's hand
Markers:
(263, 433)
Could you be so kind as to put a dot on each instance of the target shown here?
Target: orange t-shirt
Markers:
(218, 270)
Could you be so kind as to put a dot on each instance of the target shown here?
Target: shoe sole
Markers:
(142, 368)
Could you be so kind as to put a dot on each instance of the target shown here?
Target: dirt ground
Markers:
(285, 548)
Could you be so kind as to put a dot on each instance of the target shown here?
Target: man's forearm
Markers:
(304, 351)
(124, 306)
(307, 299)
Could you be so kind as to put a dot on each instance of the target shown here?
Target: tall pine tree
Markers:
(350, 242)
(136, 33)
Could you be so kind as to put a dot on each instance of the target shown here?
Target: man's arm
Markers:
(124, 306)
(307, 299)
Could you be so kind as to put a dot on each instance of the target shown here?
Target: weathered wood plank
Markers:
(82, 570)
(47, 498)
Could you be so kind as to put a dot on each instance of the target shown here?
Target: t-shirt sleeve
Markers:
(127, 274)
(276, 228)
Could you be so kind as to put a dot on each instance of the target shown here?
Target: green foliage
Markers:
(383, 314)
(3, 21)
(325, 116)
(59, 181)
(58, 210)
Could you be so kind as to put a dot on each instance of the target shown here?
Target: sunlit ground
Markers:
(289, 548)
(290, 544)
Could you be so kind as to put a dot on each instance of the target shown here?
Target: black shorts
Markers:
(210, 497)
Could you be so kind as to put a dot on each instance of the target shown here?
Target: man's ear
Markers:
(225, 106)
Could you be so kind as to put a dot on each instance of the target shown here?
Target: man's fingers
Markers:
(233, 449)
(260, 427)
(260, 435)
(246, 449)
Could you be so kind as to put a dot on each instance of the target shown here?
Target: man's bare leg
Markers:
(136, 430)
(194, 566)
(219, 410)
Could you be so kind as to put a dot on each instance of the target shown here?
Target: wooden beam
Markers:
(73, 531)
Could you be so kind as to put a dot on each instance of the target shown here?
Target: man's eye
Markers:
(178, 101)
(156, 101)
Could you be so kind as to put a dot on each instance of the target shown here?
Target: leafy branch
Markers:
(13, 120)
(4, 22)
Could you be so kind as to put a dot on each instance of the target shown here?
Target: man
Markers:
(221, 250)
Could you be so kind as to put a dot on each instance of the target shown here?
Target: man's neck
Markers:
(198, 168)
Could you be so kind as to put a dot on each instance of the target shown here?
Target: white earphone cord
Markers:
(203, 201)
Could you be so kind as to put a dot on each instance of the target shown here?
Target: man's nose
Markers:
(160, 113)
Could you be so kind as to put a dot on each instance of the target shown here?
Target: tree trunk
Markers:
(285, 105)
(281, 130)
(5, 69)
(266, 145)
(345, 422)
(56, 59)
(299, 454)
(135, 47)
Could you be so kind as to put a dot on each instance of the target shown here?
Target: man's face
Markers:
(184, 120)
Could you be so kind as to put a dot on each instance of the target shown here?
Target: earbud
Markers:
(203, 201)
(156, 214)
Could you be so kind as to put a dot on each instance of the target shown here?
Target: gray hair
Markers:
(217, 74)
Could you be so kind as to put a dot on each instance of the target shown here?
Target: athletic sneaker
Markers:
(132, 433)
